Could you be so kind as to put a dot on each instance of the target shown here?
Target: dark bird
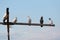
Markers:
(41, 21)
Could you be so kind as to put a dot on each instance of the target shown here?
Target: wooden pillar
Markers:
(7, 11)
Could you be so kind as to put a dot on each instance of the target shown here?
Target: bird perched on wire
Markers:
(15, 20)
(5, 17)
(41, 21)
(50, 21)
(29, 20)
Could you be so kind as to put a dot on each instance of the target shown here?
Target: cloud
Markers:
(32, 33)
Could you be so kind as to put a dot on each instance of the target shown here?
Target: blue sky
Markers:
(35, 9)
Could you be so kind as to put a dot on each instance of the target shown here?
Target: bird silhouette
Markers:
(41, 21)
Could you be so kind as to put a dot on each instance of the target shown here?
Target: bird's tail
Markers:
(41, 25)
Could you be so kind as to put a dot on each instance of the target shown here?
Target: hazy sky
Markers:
(35, 9)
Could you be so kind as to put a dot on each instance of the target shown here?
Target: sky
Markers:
(35, 9)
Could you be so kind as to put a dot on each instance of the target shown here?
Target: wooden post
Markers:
(7, 11)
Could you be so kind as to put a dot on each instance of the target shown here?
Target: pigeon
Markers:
(5, 17)
(15, 20)
(50, 21)
(29, 20)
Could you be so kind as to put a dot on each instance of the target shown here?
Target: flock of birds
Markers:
(29, 20)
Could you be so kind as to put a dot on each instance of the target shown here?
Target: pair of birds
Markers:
(5, 18)
(41, 21)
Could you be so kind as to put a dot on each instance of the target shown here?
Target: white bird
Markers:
(50, 21)
(5, 17)
(29, 20)
(15, 20)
